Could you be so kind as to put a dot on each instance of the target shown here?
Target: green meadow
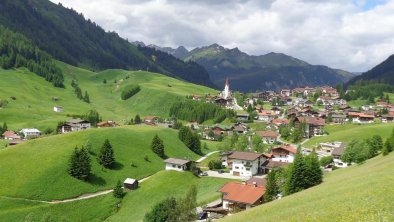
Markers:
(348, 132)
(37, 169)
(358, 193)
(33, 106)
(132, 208)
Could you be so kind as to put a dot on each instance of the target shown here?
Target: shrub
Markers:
(215, 164)
(130, 91)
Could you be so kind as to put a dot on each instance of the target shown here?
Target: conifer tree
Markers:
(118, 190)
(297, 176)
(137, 119)
(272, 187)
(106, 157)
(187, 206)
(314, 174)
(387, 148)
(86, 97)
(79, 166)
(157, 146)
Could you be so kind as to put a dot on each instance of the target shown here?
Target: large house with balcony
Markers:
(73, 125)
(245, 164)
(313, 125)
(283, 154)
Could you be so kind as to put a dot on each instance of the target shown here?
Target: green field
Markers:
(37, 169)
(33, 106)
(358, 193)
(163, 185)
(133, 207)
(348, 132)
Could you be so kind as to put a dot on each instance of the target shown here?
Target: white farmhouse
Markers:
(245, 164)
(283, 154)
(74, 125)
(177, 164)
(30, 133)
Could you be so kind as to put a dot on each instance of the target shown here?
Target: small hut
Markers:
(130, 184)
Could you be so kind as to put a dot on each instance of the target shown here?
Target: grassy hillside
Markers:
(349, 132)
(33, 106)
(133, 207)
(358, 193)
(38, 169)
(163, 185)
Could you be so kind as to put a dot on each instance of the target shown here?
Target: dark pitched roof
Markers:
(245, 155)
(176, 161)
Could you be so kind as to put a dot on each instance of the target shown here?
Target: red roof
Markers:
(11, 134)
(288, 148)
(312, 120)
(242, 193)
(280, 121)
(245, 155)
(268, 133)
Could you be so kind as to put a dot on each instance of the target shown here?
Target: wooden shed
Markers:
(130, 184)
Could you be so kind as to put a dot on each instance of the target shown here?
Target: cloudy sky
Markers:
(354, 35)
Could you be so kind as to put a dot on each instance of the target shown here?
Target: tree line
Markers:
(78, 92)
(368, 90)
(190, 139)
(18, 51)
(130, 91)
(198, 111)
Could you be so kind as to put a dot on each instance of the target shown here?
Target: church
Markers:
(226, 98)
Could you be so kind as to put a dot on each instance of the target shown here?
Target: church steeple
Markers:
(226, 91)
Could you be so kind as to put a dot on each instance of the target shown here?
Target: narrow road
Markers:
(207, 155)
(81, 197)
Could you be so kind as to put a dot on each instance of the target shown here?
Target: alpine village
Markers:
(96, 127)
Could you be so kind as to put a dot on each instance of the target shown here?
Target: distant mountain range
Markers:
(248, 73)
(67, 36)
(382, 72)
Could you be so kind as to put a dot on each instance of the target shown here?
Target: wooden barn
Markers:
(130, 184)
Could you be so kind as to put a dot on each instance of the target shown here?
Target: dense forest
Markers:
(367, 90)
(191, 110)
(69, 37)
(17, 51)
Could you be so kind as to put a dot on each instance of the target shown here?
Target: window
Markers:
(236, 168)
(173, 165)
(247, 169)
(179, 167)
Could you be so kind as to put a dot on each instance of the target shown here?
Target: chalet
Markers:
(151, 120)
(329, 91)
(224, 157)
(330, 146)
(276, 110)
(260, 182)
(30, 133)
(388, 118)
(108, 123)
(245, 163)
(309, 91)
(313, 125)
(338, 118)
(337, 154)
(268, 136)
(240, 128)
(357, 117)
(284, 153)
(221, 130)
(73, 125)
(196, 97)
(177, 164)
(10, 135)
(58, 109)
(285, 92)
(241, 195)
(130, 184)
(297, 91)
(266, 115)
(268, 165)
(279, 122)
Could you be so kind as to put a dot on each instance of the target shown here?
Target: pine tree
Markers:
(137, 119)
(86, 97)
(314, 174)
(272, 187)
(387, 148)
(118, 190)
(297, 176)
(5, 127)
(79, 166)
(106, 157)
(88, 146)
(157, 146)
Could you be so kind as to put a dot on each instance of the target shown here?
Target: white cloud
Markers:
(352, 35)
